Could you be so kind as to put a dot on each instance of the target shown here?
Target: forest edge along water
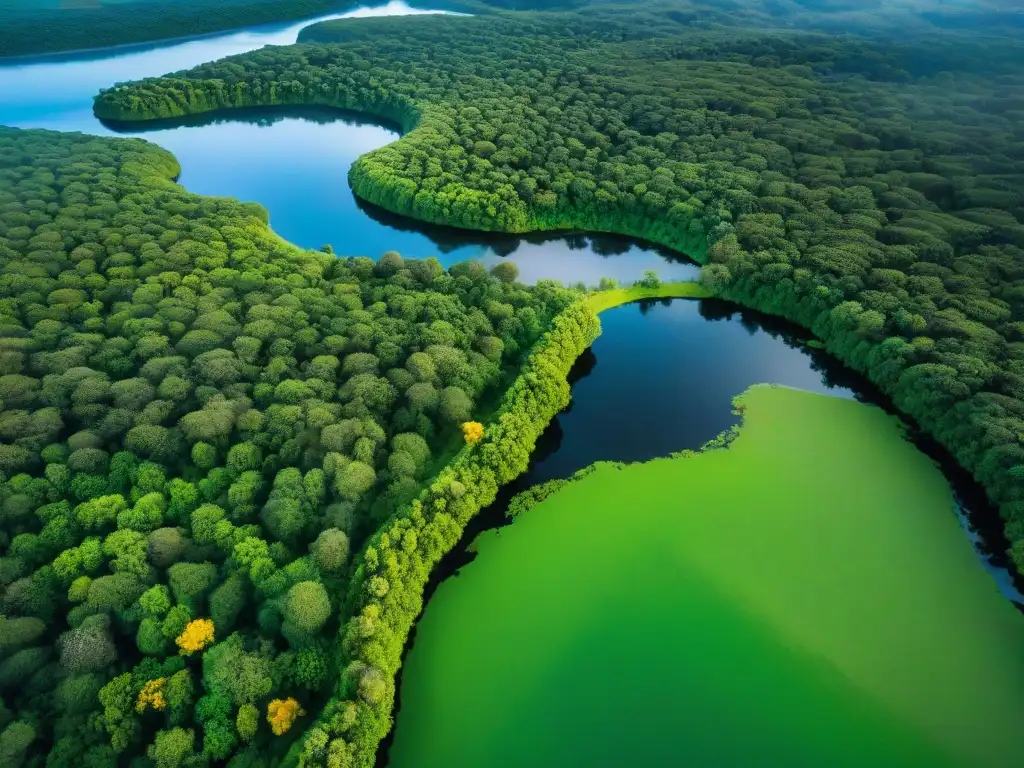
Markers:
(648, 353)
(651, 560)
(294, 161)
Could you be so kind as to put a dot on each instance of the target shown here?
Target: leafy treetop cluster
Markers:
(199, 422)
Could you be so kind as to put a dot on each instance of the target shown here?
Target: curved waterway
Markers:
(295, 162)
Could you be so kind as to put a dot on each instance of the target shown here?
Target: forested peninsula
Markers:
(201, 425)
(849, 183)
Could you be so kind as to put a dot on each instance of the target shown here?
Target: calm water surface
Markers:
(295, 163)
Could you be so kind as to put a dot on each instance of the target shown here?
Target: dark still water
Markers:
(296, 163)
(661, 377)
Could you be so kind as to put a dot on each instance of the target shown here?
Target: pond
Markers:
(295, 163)
(661, 378)
(802, 598)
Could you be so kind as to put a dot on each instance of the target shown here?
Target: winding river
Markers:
(659, 379)
(305, 187)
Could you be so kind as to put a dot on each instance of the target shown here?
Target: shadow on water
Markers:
(449, 239)
(262, 117)
(557, 453)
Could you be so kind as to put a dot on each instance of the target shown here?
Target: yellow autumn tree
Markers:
(197, 635)
(472, 431)
(151, 696)
(281, 713)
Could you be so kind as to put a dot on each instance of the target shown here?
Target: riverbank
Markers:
(599, 301)
(952, 372)
(386, 590)
(725, 562)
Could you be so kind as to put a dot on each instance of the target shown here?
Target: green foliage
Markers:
(247, 721)
(242, 676)
(88, 647)
(189, 582)
(866, 187)
(157, 476)
(307, 607)
(14, 741)
(37, 26)
(161, 343)
(392, 572)
(330, 550)
(170, 749)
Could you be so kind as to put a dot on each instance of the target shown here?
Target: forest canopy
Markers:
(201, 425)
(226, 466)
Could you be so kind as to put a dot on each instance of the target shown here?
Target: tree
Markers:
(506, 271)
(15, 741)
(242, 676)
(189, 582)
(16, 632)
(171, 748)
(247, 721)
(227, 602)
(330, 550)
(197, 635)
(88, 647)
(281, 714)
(472, 431)
(455, 405)
(165, 546)
(307, 608)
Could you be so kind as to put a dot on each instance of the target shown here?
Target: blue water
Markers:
(297, 165)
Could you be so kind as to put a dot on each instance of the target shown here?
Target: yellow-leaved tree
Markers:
(281, 713)
(472, 431)
(197, 635)
(152, 695)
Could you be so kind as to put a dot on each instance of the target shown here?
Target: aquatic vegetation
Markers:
(807, 587)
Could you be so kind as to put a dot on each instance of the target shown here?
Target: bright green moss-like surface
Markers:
(805, 597)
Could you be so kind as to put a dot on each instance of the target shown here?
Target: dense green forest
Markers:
(200, 423)
(39, 26)
(868, 187)
(30, 27)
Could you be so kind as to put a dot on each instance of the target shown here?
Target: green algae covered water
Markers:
(804, 598)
